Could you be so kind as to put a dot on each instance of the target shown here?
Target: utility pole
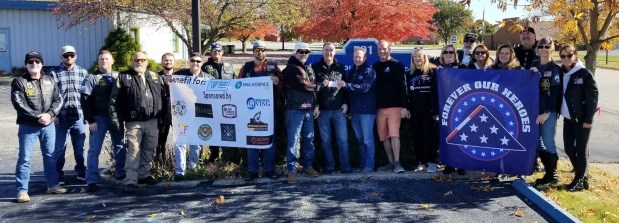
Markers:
(195, 26)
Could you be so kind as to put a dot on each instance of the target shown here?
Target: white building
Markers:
(30, 26)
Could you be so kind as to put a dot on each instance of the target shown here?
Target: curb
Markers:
(553, 210)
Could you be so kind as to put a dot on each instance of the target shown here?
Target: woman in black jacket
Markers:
(506, 59)
(579, 104)
(481, 58)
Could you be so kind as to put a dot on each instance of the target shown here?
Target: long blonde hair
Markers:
(425, 65)
(442, 61)
(513, 61)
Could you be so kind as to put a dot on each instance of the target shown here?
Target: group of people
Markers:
(134, 107)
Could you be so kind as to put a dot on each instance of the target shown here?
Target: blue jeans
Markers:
(268, 158)
(547, 134)
(77, 129)
(28, 135)
(299, 125)
(325, 119)
(95, 143)
(180, 156)
(363, 125)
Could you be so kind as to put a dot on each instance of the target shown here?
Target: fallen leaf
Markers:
(152, 215)
(588, 212)
(519, 213)
(484, 177)
(424, 206)
(448, 193)
(182, 213)
(220, 201)
(103, 205)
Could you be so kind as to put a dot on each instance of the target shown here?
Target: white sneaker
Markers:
(56, 190)
(420, 168)
(22, 197)
(432, 167)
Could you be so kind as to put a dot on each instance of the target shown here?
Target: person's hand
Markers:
(92, 127)
(325, 83)
(341, 83)
(534, 69)
(344, 108)
(408, 114)
(316, 113)
(542, 118)
(44, 119)
(275, 80)
(586, 125)
(404, 113)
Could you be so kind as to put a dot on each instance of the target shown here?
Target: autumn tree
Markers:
(254, 30)
(569, 34)
(596, 20)
(481, 28)
(451, 19)
(393, 20)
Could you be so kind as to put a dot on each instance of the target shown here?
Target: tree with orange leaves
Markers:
(257, 30)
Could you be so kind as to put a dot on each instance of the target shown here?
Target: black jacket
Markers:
(526, 57)
(422, 92)
(549, 86)
(32, 97)
(300, 85)
(131, 100)
(581, 94)
(95, 95)
(330, 98)
(221, 70)
(390, 84)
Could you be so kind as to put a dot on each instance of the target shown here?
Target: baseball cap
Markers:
(470, 36)
(529, 29)
(67, 49)
(259, 44)
(33, 55)
(300, 46)
(216, 46)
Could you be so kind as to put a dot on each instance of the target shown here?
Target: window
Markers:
(176, 42)
(135, 32)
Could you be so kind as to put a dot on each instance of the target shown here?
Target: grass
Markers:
(598, 204)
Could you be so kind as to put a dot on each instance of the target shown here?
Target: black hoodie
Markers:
(300, 85)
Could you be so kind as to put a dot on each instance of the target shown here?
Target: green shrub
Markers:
(153, 65)
(123, 46)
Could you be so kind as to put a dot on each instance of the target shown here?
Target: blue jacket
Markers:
(361, 84)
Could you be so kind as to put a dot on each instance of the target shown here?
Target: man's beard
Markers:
(139, 69)
(168, 68)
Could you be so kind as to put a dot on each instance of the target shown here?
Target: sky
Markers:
(493, 13)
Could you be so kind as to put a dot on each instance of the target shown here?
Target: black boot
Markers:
(576, 185)
(536, 166)
(550, 164)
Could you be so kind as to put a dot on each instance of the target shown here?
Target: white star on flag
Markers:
(466, 104)
(493, 129)
(503, 141)
(473, 99)
(492, 100)
(484, 139)
(501, 106)
(483, 98)
(473, 128)
(506, 113)
(463, 137)
(483, 117)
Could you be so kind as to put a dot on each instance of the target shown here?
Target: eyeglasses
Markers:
(480, 53)
(303, 51)
(67, 55)
(469, 41)
(566, 56)
(543, 47)
(259, 50)
(34, 61)
(449, 52)
(139, 60)
(195, 61)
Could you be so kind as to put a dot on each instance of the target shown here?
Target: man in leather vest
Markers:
(37, 101)
(167, 62)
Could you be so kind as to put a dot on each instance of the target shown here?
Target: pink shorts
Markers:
(388, 123)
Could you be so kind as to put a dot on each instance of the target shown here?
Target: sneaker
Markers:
(120, 177)
(271, 175)
(22, 197)
(310, 171)
(92, 188)
(432, 167)
(367, 170)
(251, 176)
(388, 167)
(56, 190)
(292, 178)
(81, 176)
(420, 168)
(179, 177)
(397, 168)
(131, 188)
(149, 180)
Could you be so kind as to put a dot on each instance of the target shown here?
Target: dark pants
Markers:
(425, 137)
(575, 139)
(161, 145)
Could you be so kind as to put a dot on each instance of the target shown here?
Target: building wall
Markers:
(39, 30)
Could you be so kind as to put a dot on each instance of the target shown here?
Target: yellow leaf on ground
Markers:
(519, 213)
(424, 206)
(152, 215)
(220, 201)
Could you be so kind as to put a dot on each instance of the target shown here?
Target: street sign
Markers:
(454, 39)
(371, 45)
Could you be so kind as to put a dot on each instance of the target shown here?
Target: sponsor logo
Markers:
(179, 108)
(238, 84)
(204, 110)
(228, 132)
(252, 103)
(228, 111)
(218, 85)
(259, 140)
(180, 129)
(256, 125)
(205, 132)
(257, 84)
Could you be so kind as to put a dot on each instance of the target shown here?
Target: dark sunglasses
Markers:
(543, 47)
(303, 52)
(67, 55)
(139, 60)
(34, 61)
(469, 41)
(195, 61)
(566, 56)
(449, 52)
(260, 50)
(480, 53)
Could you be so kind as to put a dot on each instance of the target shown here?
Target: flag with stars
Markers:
(487, 119)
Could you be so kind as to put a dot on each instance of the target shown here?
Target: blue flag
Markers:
(487, 119)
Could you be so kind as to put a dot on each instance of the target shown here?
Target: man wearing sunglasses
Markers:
(137, 103)
(466, 53)
(525, 53)
(69, 77)
(260, 67)
(36, 99)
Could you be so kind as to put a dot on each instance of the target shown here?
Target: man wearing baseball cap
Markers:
(466, 53)
(69, 77)
(525, 53)
(36, 99)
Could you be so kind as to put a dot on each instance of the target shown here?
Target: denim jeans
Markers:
(95, 143)
(547, 134)
(77, 129)
(180, 156)
(363, 125)
(337, 118)
(268, 158)
(299, 125)
(28, 135)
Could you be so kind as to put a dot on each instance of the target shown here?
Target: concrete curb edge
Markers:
(553, 210)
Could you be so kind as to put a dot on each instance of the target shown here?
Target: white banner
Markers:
(231, 113)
